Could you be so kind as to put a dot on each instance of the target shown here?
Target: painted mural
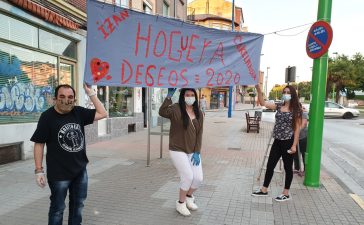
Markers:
(17, 97)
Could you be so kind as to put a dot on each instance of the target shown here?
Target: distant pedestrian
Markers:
(185, 139)
(254, 99)
(286, 135)
(61, 129)
(302, 144)
(203, 104)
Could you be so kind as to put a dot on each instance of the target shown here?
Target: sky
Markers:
(288, 48)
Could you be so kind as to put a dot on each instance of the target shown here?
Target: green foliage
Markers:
(249, 90)
(358, 62)
(350, 94)
(359, 97)
(345, 74)
(276, 92)
(304, 90)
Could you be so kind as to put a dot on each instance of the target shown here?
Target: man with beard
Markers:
(61, 129)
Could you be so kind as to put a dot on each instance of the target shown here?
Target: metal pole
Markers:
(174, 8)
(266, 83)
(298, 94)
(107, 101)
(231, 88)
(149, 113)
(315, 127)
(107, 107)
(161, 137)
(333, 92)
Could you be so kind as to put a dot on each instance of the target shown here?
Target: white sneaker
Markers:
(182, 208)
(190, 203)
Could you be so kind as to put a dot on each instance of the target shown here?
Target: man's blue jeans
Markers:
(77, 194)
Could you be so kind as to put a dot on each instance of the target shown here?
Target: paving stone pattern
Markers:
(124, 191)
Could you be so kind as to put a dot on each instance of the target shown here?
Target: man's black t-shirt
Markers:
(64, 136)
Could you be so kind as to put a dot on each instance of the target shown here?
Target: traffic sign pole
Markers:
(315, 127)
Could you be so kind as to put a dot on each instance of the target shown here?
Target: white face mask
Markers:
(286, 97)
(190, 100)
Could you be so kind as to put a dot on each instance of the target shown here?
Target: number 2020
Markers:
(221, 79)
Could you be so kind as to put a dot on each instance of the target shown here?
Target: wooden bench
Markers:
(253, 122)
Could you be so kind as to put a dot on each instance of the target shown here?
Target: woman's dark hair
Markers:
(294, 106)
(64, 86)
(182, 105)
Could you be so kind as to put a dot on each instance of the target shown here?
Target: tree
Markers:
(343, 74)
(276, 92)
(358, 63)
(304, 90)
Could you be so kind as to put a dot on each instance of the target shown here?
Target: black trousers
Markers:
(279, 149)
(303, 146)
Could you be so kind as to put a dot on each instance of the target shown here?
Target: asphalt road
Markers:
(343, 152)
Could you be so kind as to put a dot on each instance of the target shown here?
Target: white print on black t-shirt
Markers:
(70, 137)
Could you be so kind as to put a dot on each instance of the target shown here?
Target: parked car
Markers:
(333, 109)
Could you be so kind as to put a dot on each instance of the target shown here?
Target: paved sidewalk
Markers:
(123, 191)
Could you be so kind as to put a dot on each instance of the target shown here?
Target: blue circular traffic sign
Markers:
(319, 39)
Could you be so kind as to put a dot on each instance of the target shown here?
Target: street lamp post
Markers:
(266, 83)
(231, 87)
(334, 84)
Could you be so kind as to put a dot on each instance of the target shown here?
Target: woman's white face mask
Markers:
(190, 100)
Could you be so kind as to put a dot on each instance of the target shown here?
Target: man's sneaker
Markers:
(282, 198)
(259, 193)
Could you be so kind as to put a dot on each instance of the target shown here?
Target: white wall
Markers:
(14, 133)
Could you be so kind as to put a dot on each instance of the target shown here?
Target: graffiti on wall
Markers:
(18, 97)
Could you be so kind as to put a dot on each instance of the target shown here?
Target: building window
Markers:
(66, 73)
(165, 9)
(123, 3)
(27, 76)
(121, 101)
(27, 82)
(225, 27)
(18, 31)
(216, 26)
(147, 8)
(56, 44)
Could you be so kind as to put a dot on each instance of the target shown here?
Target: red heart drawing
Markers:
(99, 69)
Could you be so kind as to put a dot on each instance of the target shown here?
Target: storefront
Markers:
(219, 98)
(35, 56)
